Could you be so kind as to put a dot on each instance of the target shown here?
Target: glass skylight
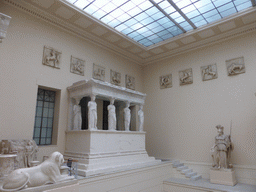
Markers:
(151, 21)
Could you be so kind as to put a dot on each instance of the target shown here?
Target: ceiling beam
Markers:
(182, 14)
(160, 9)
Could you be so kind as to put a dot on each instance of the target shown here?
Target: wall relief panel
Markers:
(51, 57)
(77, 66)
(166, 81)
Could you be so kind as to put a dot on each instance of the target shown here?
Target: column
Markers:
(77, 115)
(112, 115)
(141, 118)
(92, 113)
(127, 117)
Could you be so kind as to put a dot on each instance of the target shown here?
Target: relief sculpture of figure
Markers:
(46, 173)
(77, 117)
(127, 117)
(221, 150)
(141, 118)
(112, 115)
(92, 114)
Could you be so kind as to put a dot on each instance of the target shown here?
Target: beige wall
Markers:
(180, 121)
(22, 72)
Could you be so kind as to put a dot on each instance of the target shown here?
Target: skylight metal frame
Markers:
(157, 29)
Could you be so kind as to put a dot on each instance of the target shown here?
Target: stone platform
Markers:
(185, 185)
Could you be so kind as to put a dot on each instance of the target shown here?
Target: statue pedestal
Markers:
(223, 177)
(7, 164)
(104, 151)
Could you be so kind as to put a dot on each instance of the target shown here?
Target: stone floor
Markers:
(204, 183)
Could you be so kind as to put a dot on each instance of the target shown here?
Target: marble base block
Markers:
(103, 151)
(223, 177)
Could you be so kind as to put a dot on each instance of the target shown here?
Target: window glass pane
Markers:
(226, 7)
(49, 125)
(48, 141)
(157, 40)
(43, 133)
(40, 103)
(213, 18)
(37, 132)
(49, 133)
(141, 16)
(39, 111)
(200, 23)
(147, 21)
(50, 113)
(38, 122)
(206, 8)
(51, 105)
(44, 124)
(169, 10)
(42, 141)
(167, 36)
(36, 140)
(45, 113)
(139, 37)
(243, 6)
(228, 12)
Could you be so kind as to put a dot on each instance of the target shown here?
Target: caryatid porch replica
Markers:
(221, 171)
(117, 147)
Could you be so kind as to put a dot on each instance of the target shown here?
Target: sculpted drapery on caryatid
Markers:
(221, 150)
(127, 117)
(141, 118)
(77, 117)
(112, 115)
(92, 114)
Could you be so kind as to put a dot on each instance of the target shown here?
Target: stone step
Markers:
(182, 168)
(196, 177)
(178, 165)
(191, 174)
(186, 171)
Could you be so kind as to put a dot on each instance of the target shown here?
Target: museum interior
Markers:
(128, 95)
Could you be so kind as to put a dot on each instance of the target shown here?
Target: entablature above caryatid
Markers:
(107, 90)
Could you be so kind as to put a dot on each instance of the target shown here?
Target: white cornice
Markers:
(41, 14)
(67, 26)
(199, 44)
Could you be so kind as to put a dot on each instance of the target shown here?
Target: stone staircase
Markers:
(184, 170)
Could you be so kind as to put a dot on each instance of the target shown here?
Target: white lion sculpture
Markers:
(46, 173)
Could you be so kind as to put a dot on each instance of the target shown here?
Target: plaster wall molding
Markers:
(39, 13)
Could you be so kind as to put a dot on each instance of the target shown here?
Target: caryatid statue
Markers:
(127, 117)
(77, 117)
(141, 118)
(221, 150)
(112, 115)
(92, 113)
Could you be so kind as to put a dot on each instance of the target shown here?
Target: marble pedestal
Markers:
(102, 151)
(223, 176)
(6, 164)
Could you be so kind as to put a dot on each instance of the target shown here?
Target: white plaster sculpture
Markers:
(46, 173)
(129, 82)
(115, 77)
(235, 66)
(221, 150)
(51, 57)
(209, 72)
(186, 77)
(4, 23)
(25, 150)
(166, 81)
(92, 114)
(141, 118)
(77, 66)
(98, 72)
(127, 117)
(77, 117)
(112, 115)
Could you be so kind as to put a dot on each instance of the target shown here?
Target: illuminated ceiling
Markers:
(149, 22)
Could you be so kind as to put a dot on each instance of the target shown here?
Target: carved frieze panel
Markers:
(166, 81)
(209, 72)
(77, 66)
(129, 82)
(115, 77)
(186, 77)
(98, 72)
(51, 57)
(235, 66)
